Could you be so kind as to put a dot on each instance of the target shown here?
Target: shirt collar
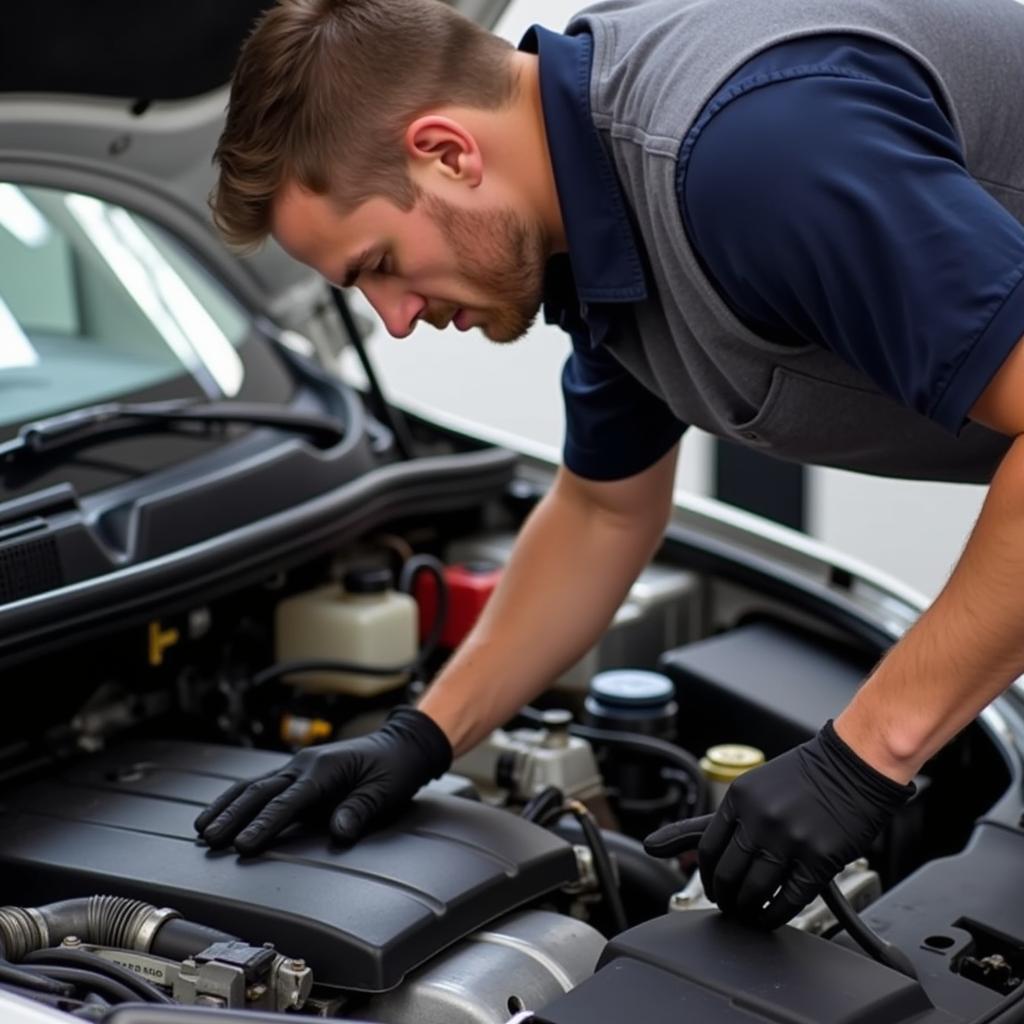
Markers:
(605, 260)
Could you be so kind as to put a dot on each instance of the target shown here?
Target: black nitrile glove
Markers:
(354, 781)
(792, 823)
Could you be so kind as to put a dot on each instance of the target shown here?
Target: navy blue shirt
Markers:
(614, 426)
(824, 191)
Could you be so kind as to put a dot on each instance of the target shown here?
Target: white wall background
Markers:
(912, 531)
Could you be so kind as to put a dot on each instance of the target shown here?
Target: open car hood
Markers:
(141, 90)
(136, 92)
(150, 52)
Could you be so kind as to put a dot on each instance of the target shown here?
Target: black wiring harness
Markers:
(545, 808)
(76, 982)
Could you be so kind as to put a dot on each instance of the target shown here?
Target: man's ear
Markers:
(439, 144)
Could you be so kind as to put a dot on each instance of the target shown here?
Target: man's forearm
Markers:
(963, 652)
(570, 569)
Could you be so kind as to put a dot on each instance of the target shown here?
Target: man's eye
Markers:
(383, 265)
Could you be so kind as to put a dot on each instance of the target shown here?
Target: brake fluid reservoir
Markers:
(726, 762)
(364, 621)
(470, 586)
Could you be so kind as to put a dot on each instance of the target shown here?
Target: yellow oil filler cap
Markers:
(728, 761)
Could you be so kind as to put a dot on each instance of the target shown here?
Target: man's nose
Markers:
(398, 307)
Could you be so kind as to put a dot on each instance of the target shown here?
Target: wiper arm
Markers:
(97, 422)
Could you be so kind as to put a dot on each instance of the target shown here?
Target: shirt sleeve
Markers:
(614, 426)
(831, 204)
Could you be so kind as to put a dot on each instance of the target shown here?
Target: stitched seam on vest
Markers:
(657, 145)
(614, 190)
(743, 88)
(749, 85)
(606, 120)
(723, 313)
(1015, 189)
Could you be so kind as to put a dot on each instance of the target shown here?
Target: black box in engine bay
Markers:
(699, 966)
(762, 683)
(120, 822)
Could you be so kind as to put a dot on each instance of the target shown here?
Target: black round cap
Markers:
(368, 579)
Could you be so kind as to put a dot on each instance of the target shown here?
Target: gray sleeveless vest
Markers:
(656, 64)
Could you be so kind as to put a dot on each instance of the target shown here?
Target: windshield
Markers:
(97, 302)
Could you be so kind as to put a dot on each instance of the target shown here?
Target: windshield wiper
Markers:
(96, 423)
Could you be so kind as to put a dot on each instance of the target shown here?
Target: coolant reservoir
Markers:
(364, 621)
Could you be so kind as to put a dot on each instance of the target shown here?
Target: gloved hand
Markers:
(357, 780)
(792, 823)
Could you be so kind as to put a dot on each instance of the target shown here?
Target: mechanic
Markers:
(796, 224)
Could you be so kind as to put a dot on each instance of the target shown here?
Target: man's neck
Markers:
(529, 159)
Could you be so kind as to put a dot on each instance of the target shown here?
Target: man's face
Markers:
(437, 262)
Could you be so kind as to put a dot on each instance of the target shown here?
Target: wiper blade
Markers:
(95, 423)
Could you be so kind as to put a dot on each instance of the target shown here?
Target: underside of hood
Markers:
(156, 50)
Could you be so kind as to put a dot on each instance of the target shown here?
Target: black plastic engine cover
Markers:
(121, 823)
(700, 966)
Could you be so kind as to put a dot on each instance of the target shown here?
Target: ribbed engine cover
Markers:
(121, 823)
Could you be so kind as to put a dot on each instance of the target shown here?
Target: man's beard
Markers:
(502, 256)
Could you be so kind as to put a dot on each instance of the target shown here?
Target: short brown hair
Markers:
(323, 91)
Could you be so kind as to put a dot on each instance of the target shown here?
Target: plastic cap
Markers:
(729, 761)
(632, 688)
(368, 579)
(557, 718)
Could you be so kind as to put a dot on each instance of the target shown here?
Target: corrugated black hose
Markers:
(32, 937)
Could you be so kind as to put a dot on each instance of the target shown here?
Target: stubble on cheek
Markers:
(502, 257)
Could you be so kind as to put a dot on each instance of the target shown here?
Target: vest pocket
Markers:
(793, 411)
(808, 419)
(814, 420)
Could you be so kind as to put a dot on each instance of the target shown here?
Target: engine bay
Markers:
(515, 888)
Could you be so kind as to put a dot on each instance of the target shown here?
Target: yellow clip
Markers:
(304, 732)
(159, 640)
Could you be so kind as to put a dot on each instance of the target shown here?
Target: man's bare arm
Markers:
(573, 563)
(969, 646)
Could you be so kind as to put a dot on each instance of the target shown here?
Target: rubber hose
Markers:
(148, 1014)
(542, 805)
(637, 743)
(406, 581)
(603, 867)
(650, 746)
(646, 883)
(114, 921)
(26, 979)
(179, 939)
(287, 668)
(101, 920)
(101, 983)
(872, 943)
(65, 1004)
(50, 960)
